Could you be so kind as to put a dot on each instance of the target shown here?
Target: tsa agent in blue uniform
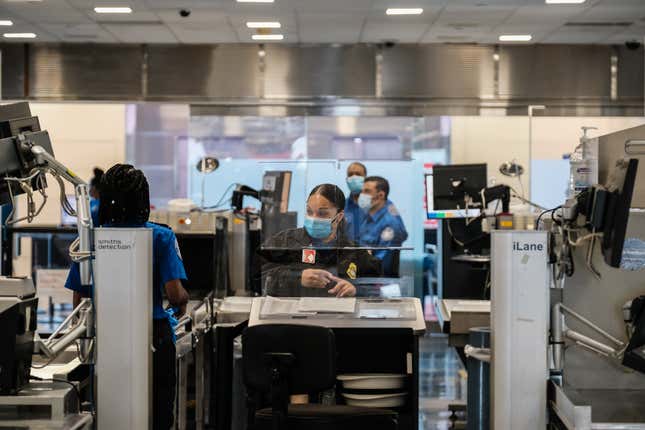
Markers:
(356, 173)
(125, 202)
(95, 191)
(382, 225)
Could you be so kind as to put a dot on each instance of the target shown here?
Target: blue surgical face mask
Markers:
(355, 183)
(365, 201)
(318, 228)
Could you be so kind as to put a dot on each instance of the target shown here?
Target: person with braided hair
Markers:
(125, 202)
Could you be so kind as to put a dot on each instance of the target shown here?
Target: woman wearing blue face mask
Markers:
(313, 260)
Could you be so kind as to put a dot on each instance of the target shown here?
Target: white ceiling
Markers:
(327, 21)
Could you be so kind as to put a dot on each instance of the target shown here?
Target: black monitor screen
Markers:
(198, 256)
(621, 187)
(450, 184)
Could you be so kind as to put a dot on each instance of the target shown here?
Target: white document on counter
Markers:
(274, 306)
(336, 305)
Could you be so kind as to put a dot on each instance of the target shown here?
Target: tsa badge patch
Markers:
(387, 234)
(393, 210)
(309, 256)
(352, 271)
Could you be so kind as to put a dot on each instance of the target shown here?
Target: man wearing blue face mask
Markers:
(314, 260)
(356, 173)
(381, 226)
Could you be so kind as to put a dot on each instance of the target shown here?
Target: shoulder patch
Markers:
(393, 210)
(387, 234)
(177, 249)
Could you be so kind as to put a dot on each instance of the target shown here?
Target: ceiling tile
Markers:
(141, 33)
(545, 14)
(468, 15)
(80, 33)
(333, 6)
(604, 13)
(55, 11)
(384, 30)
(202, 33)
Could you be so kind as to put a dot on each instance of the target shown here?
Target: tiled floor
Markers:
(440, 382)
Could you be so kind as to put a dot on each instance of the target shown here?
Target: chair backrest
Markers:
(313, 348)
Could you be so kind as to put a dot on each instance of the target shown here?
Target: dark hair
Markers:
(95, 182)
(125, 196)
(332, 193)
(359, 164)
(381, 184)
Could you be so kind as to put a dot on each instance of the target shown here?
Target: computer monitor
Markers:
(14, 120)
(14, 127)
(620, 186)
(276, 186)
(198, 255)
(448, 186)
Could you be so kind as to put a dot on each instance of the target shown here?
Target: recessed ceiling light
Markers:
(515, 38)
(266, 24)
(255, 1)
(404, 11)
(20, 35)
(565, 1)
(113, 9)
(6, 22)
(267, 37)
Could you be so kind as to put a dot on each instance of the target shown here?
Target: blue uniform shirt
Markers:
(94, 211)
(166, 266)
(384, 228)
(353, 217)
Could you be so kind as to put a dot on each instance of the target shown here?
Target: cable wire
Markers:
(452, 236)
(63, 381)
(527, 201)
(220, 202)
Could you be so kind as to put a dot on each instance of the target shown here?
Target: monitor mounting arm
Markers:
(44, 160)
(560, 331)
(78, 328)
(490, 194)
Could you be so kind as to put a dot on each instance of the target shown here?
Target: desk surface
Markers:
(32, 422)
(349, 320)
(450, 306)
(607, 409)
(457, 316)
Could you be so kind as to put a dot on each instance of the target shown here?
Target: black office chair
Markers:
(284, 359)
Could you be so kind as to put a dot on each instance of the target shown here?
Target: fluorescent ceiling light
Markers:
(266, 24)
(255, 1)
(515, 38)
(113, 9)
(6, 22)
(565, 1)
(267, 37)
(20, 35)
(404, 11)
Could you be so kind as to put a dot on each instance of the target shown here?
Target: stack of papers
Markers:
(274, 306)
(334, 305)
(307, 306)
